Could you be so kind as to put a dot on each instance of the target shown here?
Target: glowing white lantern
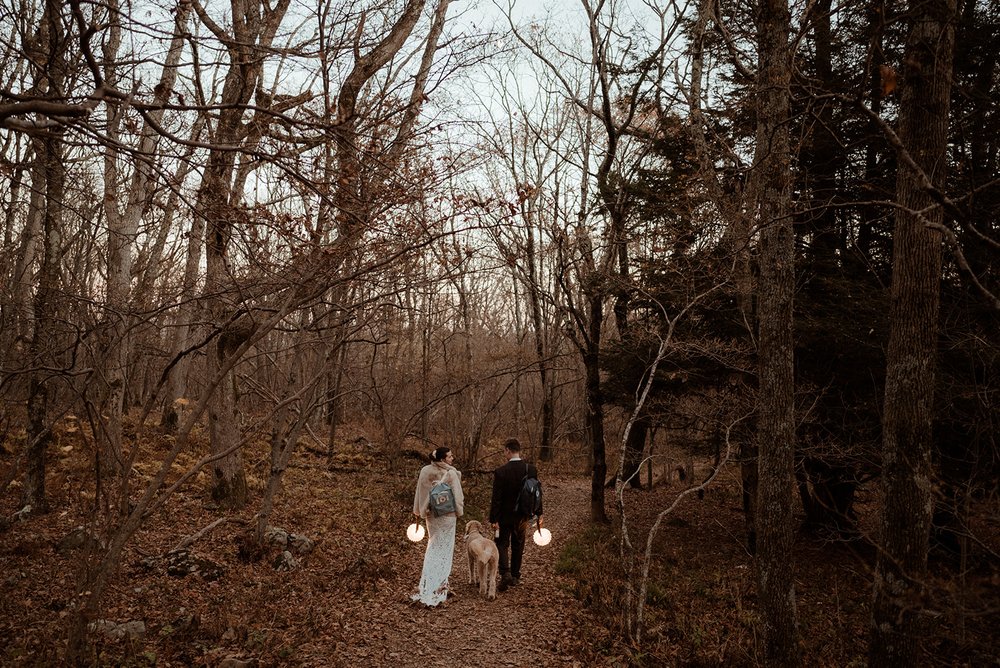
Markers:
(415, 532)
(542, 537)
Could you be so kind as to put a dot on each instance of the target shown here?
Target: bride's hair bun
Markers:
(438, 454)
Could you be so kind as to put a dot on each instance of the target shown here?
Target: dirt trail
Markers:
(536, 623)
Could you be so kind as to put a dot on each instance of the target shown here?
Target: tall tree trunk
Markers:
(254, 28)
(120, 238)
(907, 482)
(228, 487)
(123, 225)
(48, 150)
(187, 306)
(872, 213)
(534, 290)
(821, 157)
(776, 423)
(48, 177)
(28, 246)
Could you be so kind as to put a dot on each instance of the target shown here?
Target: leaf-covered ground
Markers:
(347, 602)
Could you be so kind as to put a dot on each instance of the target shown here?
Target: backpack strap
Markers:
(444, 478)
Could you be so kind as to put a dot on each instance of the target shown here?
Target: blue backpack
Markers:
(442, 498)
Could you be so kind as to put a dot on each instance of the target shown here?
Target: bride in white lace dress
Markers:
(440, 529)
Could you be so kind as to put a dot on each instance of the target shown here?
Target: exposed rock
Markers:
(134, 630)
(285, 562)
(181, 563)
(151, 563)
(293, 542)
(276, 535)
(300, 544)
(79, 537)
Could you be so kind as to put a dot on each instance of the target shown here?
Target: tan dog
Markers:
(484, 559)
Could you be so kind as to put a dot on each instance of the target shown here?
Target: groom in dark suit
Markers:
(507, 482)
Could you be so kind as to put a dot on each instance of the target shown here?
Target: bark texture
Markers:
(776, 426)
(43, 341)
(913, 333)
(253, 31)
(48, 177)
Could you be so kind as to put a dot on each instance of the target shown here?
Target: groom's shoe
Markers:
(515, 581)
(505, 583)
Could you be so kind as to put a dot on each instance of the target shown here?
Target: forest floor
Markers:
(538, 623)
(346, 603)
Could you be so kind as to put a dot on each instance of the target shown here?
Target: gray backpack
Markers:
(442, 498)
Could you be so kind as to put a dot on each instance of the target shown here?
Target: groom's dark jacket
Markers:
(507, 481)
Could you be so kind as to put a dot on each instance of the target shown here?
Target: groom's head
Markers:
(512, 448)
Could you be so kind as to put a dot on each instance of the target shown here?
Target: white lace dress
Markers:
(440, 531)
(437, 560)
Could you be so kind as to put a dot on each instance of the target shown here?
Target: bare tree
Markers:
(530, 153)
(46, 46)
(253, 31)
(123, 220)
(609, 106)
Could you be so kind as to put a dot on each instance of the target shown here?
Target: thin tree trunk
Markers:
(337, 358)
(595, 408)
(544, 374)
(728, 197)
(28, 247)
(913, 332)
(821, 156)
(177, 380)
(284, 437)
(871, 213)
(9, 317)
(123, 228)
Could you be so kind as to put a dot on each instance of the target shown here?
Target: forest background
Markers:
(757, 235)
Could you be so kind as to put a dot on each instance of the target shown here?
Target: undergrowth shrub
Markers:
(684, 622)
(591, 559)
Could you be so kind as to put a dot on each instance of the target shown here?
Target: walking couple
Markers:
(511, 525)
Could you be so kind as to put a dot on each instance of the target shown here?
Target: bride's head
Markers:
(442, 455)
